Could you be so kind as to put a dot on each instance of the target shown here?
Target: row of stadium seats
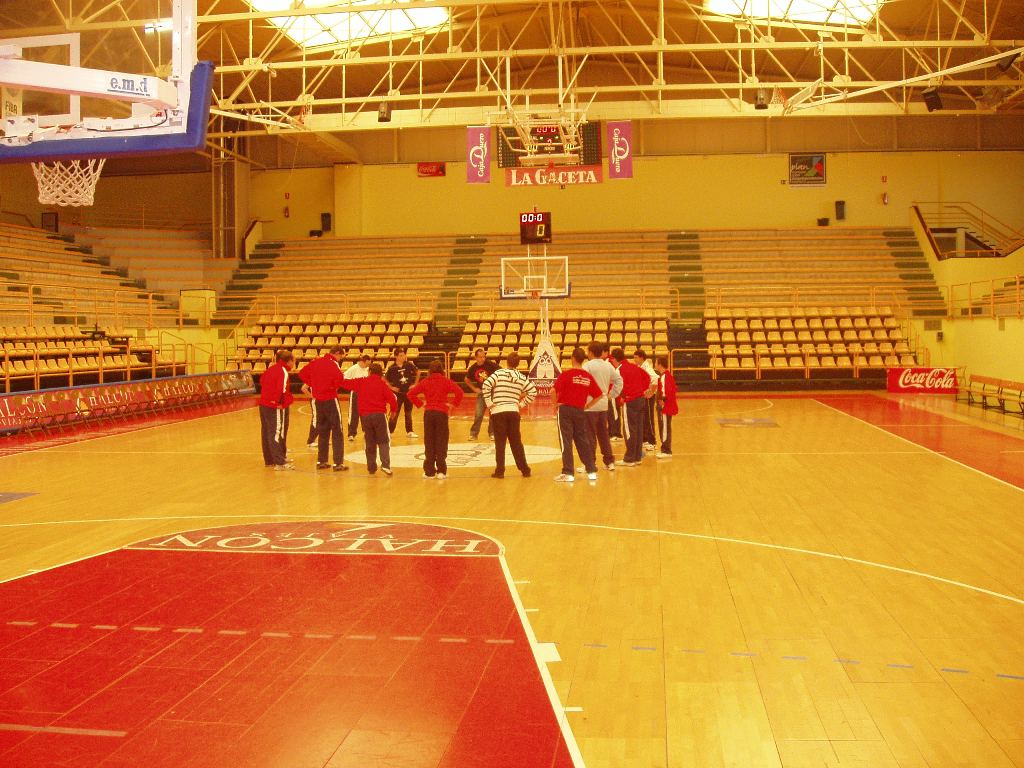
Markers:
(811, 361)
(54, 277)
(339, 329)
(799, 323)
(792, 348)
(354, 317)
(795, 312)
(755, 337)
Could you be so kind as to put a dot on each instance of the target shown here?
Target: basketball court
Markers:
(823, 565)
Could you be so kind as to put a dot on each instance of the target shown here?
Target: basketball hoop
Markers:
(779, 98)
(68, 183)
(535, 295)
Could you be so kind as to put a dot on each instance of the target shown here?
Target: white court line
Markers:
(63, 731)
(924, 447)
(557, 523)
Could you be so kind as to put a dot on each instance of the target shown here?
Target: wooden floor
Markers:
(816, 593)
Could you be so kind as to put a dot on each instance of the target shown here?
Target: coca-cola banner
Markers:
(71, 405)
(924, 381)
(478, 154)
(620, 149)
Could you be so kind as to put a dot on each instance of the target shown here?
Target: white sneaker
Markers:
(649, 446)
(387, 471)
(427, 477)
(352, 439)
(284, 467)
(411, 434)
(563, 478)
(311, 446)
(441, 476)
(610, 467)
(592, 476)
(580, 470)
(660, 455)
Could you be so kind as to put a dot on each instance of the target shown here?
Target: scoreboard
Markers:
(534, 227)
(548, 139)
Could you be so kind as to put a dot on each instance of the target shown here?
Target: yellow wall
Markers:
(684, 192)
(310, 190)
(984, 346)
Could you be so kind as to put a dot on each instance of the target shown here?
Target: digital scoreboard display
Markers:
(535, 227)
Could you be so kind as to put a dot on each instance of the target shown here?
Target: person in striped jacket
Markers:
(506, 392)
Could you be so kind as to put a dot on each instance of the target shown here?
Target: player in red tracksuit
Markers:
(321, 379)
(436, 389)
(375, 400)
(636, 387)
(667, 406)
(274, 401)
(575, 389)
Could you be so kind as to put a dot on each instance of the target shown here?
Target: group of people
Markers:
(601, 397)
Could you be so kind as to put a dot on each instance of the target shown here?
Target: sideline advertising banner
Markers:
(922, 381)
(72, 405)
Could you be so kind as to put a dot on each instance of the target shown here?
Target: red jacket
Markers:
(323, 376)
(435, 389)
(575, 387)
(274, 387)
(667, 394)
(635, 381)
(374, 394)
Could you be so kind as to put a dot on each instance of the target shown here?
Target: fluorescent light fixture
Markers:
(163, 25)
(838, 12)
(327, 29)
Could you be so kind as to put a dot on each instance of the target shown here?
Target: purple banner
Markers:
(620, 149)
(478, 154)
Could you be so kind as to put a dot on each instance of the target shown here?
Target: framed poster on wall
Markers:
(807, 170)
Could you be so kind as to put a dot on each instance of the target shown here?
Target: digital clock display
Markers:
(535, 227)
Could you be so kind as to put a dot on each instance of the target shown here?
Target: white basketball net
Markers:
(69, 182)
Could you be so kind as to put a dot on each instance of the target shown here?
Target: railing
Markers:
(137, 217)
(644, 300)
(103, 371)
(968, 216)
(1000, 297)
(757, 370)
(117, 307)
(338, 303)
(790, 296)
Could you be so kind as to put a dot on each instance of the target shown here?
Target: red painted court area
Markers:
(993, 453)
(295, 644)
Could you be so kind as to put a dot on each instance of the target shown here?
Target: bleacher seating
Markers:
(37, 357)
(309, 336)
(46, 278)
(501, 333)
(819, 267)
(798, 341)
(165, 259)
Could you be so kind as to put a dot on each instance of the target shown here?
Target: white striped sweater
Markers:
(506, 391)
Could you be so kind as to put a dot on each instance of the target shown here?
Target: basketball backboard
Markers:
(537, 277)
(108, 86)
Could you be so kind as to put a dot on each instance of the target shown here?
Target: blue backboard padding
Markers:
(191, 140)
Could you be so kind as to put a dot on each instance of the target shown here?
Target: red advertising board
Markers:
(429, 170)
(51, 407)
(923, 381)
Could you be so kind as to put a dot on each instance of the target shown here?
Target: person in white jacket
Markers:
(640, 359)
(358, 370)
(610, 382)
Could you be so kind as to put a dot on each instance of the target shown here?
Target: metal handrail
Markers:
(970, 216)
(986, 298)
